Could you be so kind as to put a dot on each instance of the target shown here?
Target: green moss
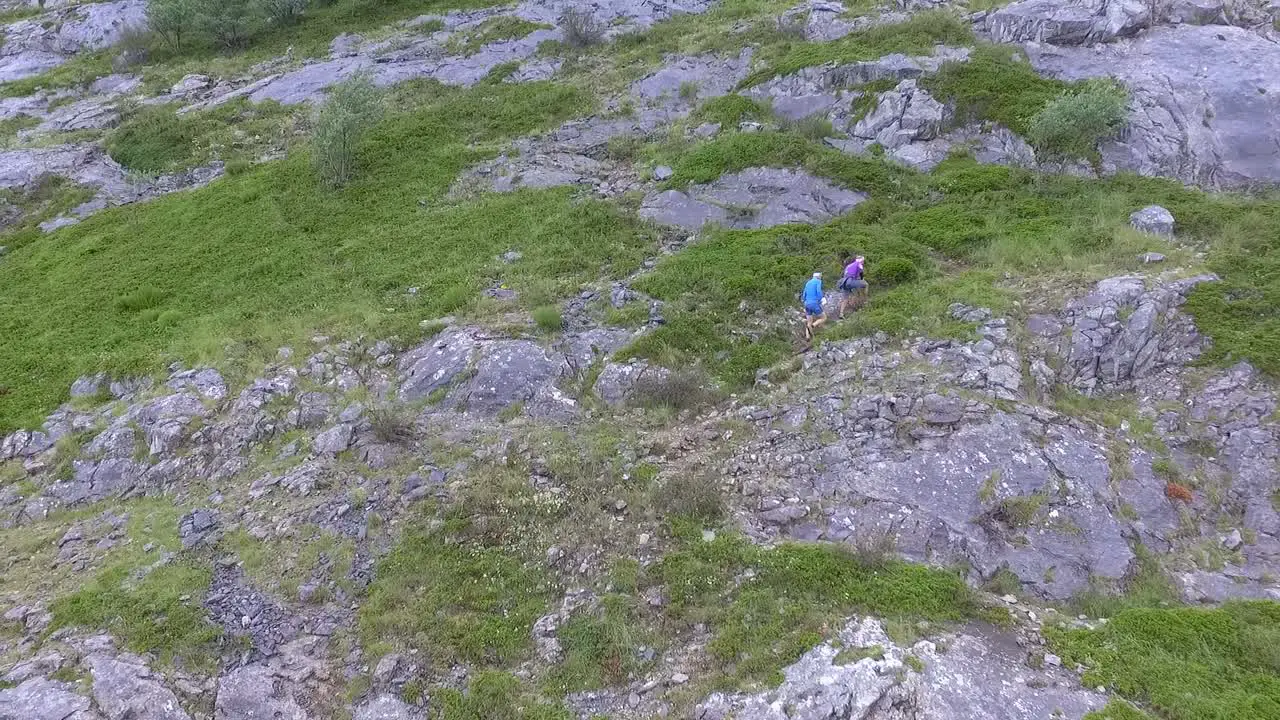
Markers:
(993, 85)
(1185, 663)
(454, 601)
(767, 620)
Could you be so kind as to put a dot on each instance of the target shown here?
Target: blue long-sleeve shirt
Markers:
(812, 292)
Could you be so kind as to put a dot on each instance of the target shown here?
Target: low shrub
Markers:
(580, 28)
(677, 390)
(1178, 491)
(1072, 125)
(892, 271)
(353, 106)
(172, 21)
(696, 497)
(283, 13)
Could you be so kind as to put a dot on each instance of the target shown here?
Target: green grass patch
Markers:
(916, 36)
(766, 621)
(149, 604)
(730, 110)
(155, 139)
(1185, 663)
(77, 72)
(281, 568)
(454, 601)
(270, 255)
(9, 127)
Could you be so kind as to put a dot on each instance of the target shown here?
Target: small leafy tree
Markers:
(283, 12)
(228, 24)
(171, 21)
(1072, 125)
(352, 107)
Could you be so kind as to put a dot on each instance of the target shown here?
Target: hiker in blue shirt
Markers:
(812, 298)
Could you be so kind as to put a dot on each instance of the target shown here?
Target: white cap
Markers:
(817, 274)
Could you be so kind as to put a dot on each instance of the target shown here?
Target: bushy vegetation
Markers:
(352, 107)
(1071, 126)
(1185, 663)
(763, 622)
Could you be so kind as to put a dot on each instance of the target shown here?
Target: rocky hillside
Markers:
(513, 418)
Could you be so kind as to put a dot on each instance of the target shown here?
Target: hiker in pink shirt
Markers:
(852, 283)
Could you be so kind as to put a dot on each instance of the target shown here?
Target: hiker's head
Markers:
(859, 259)
(818, 275)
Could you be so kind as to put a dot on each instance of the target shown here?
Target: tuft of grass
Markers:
(548, 318)
(455, 601)
(1184, 663)
(600, 647)
(678, 390)
(1019, 512)
(763, 622)
(691, 497)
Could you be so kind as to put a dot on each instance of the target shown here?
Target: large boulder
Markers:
(126, 689)
(1121, 332)
(1067, 22)
(41, 699)
(752, 198)
(46, 41)
(1204, 107)
(823, 685)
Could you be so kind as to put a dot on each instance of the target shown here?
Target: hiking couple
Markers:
(852, 284)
